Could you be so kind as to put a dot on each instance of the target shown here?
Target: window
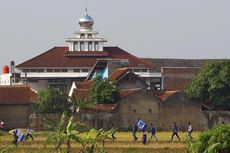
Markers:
(96, 46)
(89, 35)
(50, 70)
(64, 70)
(40, 70)
(150, 110)
(76, 70)
(25, 70)
(90, 46)
(85, 70)
(136, 70)
(82, 36)
(57, 70)
(82, 46)
(33, 70)
(75, 46)
(144, 70)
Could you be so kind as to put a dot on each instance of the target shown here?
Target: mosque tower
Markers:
(86, 39)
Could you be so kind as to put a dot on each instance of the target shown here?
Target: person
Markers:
(190, 129)
(2, 125)
(153, 133)
(144, 137)
(15, 140)
(175, 131)
(114, 130)
(29, 134)
(135, 128)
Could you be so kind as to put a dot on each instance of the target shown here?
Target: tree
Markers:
(103, 90)
(212, 84)
(51, 100)
(215, 140)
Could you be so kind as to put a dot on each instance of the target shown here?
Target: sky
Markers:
(191, 29)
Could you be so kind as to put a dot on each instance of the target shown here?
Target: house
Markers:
(16, 103)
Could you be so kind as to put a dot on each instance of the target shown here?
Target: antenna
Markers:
(86, 7)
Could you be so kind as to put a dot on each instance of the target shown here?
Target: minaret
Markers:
(86, 39)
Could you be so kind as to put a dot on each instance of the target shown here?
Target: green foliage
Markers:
(212, 84)
(80, 103)
(215, 140)
(62, 132)
(51, 100)
(103, 90)
(92, 138)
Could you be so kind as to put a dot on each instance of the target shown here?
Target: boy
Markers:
(144, 137)
(153, 133)
(190, 131)
(175, 131)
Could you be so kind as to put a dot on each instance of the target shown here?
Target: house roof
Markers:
(100, 108)
(118, 73)
(17, 94)
(159, 62)
(61, 57)
(165, 94)
(123, 93)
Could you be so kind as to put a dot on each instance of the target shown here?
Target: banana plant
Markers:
(62, 132)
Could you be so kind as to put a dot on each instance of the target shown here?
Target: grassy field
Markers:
(123, 144)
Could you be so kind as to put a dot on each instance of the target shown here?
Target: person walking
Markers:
(153, 133)
(175, 131)
(190, 130)
(15, 139)
(29, 134)
(144, 137)
(113, 133)
(135, 128)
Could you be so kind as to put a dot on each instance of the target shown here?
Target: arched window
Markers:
(82, 36)
(89, 35)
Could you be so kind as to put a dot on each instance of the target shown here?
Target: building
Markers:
(16, 103)
(60, 66)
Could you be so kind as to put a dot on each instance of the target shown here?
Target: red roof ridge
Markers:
(19, 65)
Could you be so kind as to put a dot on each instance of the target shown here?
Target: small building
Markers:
(16, 103)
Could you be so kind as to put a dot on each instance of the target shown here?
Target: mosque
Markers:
(60, 66)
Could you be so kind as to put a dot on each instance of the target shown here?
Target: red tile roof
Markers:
(58, 57)
(101, 108)
(20, 94)
(115, 75)
(126, 92)
(165, 94)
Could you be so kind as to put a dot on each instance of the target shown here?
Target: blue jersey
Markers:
(153, 131)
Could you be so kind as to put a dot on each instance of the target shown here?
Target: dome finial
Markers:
(86, 8)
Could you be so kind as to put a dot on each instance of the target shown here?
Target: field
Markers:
(123, 144)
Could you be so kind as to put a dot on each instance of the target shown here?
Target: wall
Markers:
(179, 108)
(14, 116)
(177, 78)
(141, 104)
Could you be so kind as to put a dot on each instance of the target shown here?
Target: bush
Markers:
(215, 140)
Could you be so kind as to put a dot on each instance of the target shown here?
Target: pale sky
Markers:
(145, 28)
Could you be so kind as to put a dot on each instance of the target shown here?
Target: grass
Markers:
(123, 144)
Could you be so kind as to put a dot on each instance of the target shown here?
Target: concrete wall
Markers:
(178, 78)
(14, 116)
(179, 108)
(142, 104)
